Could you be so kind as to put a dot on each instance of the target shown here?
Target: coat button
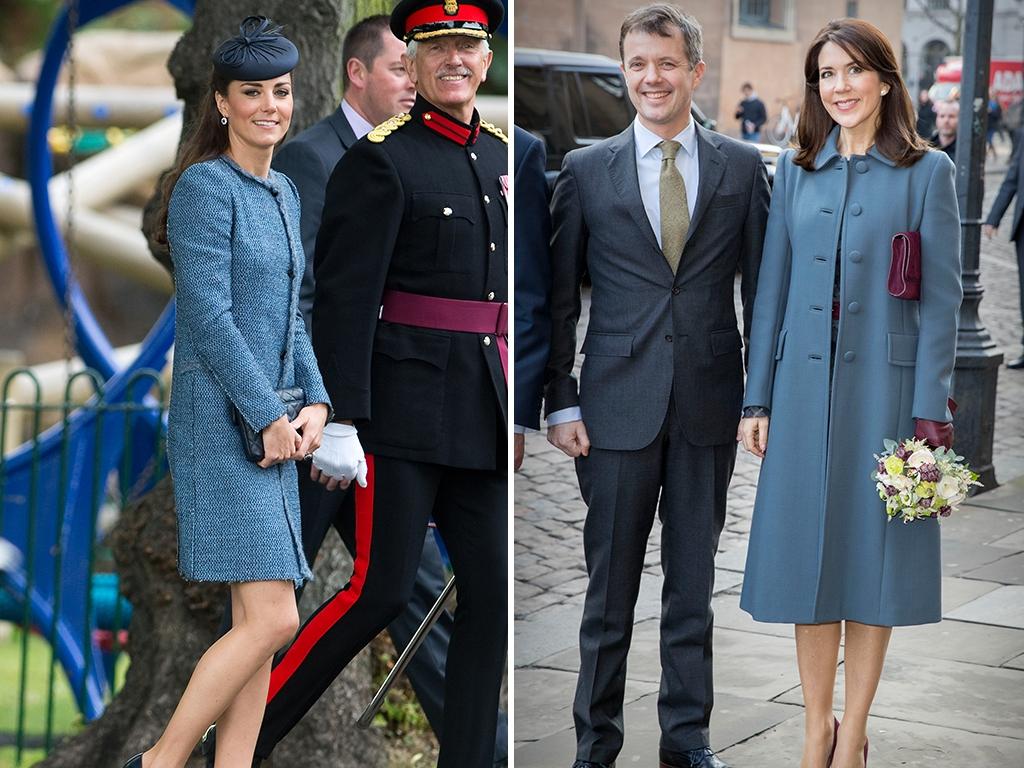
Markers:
(473, 155)
(487, 341)
(490, 295)
(446, 211)
(668, 337)
(493, 246)
(675, 291)
(850, 357)
(856, 257)
(861, 166)
(274, 191)
(854, 307)
(284, 353)
(487, 198)
(855, 209)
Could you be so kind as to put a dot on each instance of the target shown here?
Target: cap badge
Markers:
(451, 7)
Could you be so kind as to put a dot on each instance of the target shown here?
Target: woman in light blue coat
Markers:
(232, 225)
(837, 365)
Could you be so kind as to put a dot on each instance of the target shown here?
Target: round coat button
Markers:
(274, 191)
(668, 337)
(487, 341)
(490, 295)
(854, 307)
(487, 198)
(473, 155)
(850, 357)
(855, 209)
(291, 272)
(861, 166)
(856, 257)
(493, 246)
(675, 291)
(284, 353)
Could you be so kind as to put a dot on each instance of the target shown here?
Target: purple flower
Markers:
(925, 503)
(945, 511)
(930, 473)
(881, 467)
(901, 452)
(890, 490)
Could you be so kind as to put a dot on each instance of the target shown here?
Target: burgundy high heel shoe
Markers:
(835, 738)
(865, 752)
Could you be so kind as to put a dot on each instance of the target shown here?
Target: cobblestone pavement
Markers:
(976, 652)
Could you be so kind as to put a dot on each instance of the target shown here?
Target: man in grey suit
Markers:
(661, 216)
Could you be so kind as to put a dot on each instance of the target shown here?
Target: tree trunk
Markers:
(173, 621)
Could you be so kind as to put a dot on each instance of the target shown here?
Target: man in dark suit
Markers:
(1010, 189)
(661, 217)
(533, 284)
(410, 331)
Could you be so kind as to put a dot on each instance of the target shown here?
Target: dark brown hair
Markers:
(897, 138)
(662, 19)
(207, 139)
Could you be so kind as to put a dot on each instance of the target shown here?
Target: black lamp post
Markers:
(977, 359)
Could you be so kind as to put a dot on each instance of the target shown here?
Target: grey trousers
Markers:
(687, 485)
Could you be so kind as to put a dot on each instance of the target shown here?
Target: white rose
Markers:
(901, 482)
(920, 457)
(947, 487)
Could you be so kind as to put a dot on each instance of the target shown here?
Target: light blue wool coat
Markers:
(238, 262)
(821, 548)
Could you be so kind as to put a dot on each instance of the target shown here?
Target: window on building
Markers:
(764, 20)
(938, 5)
(851, 8)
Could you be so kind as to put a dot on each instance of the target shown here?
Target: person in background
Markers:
(751, 113)
(1012, 190)
(925, 115)
(995, 122)
(947, 119)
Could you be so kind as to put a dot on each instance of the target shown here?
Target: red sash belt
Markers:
(449, 315)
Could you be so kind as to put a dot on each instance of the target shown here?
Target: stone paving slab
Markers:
(960, 641)
(951, 694)
(1008, 497)
(1002, 607)
(892, 743)
(1007, 570)
(733, 720)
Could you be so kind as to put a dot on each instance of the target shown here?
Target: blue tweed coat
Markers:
(238, 264)
(821, 548)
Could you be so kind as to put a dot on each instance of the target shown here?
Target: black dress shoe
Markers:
(135, 762)
(1016, 364)
(694, 758)
(591, 764)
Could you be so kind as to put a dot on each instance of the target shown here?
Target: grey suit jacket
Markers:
(308, 160)
(653, 335)
(1010, 188)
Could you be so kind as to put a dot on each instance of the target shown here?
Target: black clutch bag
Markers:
(294, 400)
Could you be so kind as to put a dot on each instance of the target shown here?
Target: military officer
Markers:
(410, 331)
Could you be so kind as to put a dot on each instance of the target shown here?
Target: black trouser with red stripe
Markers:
(469, 507)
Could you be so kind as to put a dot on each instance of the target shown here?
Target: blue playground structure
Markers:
(52, 487)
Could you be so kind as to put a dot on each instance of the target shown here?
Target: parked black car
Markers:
(571, 100)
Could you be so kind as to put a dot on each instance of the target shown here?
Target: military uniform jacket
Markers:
(418, 205)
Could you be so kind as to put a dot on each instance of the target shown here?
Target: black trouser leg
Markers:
(621, 490)
(391, 515)
(1020, 272)
(471, 513)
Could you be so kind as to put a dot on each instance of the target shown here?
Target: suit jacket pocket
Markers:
(725, 341)
(726, 201)
(408, 385)
(446, 218)
(610, 344)
(903, 349)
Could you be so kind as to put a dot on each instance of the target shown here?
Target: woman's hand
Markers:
(753, 433)
(280, 442)
(310, 423)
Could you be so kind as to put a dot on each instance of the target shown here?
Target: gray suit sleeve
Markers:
(301, 163)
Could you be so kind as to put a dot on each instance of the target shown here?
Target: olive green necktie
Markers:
(675, 212)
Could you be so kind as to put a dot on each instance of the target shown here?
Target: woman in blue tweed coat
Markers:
(232, 225)
(836, 366)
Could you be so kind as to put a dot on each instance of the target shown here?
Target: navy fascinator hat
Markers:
(258, 52)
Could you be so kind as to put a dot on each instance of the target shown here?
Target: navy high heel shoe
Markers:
(135, 762)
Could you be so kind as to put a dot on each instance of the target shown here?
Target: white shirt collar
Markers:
(646, 139)
(360, 126)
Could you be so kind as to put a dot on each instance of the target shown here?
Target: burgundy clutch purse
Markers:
(905, 268)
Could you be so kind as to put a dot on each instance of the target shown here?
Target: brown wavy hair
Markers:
(207, 139)
(897, 137)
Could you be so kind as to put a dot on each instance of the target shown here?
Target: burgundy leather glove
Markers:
(935, 433)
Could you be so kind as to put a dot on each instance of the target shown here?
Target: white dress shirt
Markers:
(358, 123)
(648, 171)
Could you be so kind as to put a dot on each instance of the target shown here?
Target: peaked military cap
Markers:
(424, 19)
(258, 52)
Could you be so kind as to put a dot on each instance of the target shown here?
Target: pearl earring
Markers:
(885, 92)
(223, 120)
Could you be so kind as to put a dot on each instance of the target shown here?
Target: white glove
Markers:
(10, 557)
(340, 455)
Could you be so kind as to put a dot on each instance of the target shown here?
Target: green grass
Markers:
(66, 718)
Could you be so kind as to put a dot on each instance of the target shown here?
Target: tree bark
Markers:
(173, 621)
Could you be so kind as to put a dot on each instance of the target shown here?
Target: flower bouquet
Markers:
(916, 481)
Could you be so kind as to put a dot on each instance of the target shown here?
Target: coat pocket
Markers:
(725, 341)
(408, 386)
(610, 344)
(903, 349)
(448, 220)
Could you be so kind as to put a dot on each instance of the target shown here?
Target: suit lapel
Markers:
(622, 169)
(341, 127)
(711, 164)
